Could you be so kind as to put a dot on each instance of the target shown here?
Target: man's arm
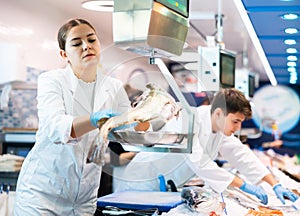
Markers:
(236, 182)
(270, 180)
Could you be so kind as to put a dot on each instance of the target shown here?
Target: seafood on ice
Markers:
(154, 104)
(200, 200)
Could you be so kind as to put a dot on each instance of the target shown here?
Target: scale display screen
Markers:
(227, 69)
(179, 6)
(251, 86)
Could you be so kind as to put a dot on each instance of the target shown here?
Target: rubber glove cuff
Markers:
(276, 186)
(94, 120)
(243, 187)
(97, 116)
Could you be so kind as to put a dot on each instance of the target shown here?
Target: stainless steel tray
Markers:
(149, 137)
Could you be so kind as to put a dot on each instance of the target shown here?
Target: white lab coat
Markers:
(55, 178)
(209, 145)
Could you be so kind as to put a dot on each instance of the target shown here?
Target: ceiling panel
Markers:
(276, 47)
(266, 18)
(280, 71)
(270, 23)
(269, 3)
(277, 61)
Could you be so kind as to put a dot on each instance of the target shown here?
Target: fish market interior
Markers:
(153, 107)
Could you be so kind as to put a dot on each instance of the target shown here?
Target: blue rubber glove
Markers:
(282, 192)
(96, 116)
(255, 190)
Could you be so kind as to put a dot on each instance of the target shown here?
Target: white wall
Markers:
(33, 24)
(30, 28)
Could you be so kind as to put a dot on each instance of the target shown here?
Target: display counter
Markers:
(237, 202)
(171, 204)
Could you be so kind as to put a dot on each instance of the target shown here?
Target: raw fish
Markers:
(154, 104)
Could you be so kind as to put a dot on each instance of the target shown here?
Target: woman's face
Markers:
(82, 47)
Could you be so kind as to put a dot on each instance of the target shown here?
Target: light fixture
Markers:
(293, 78)
(98, 5)
(292, 58)
(291, 69)
(291, 64)
(291, 50)
(290, 42)
(291, 30)
(290, 16)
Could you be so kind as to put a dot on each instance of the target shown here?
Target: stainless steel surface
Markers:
(149, 138)
(149, 24)
(130, 21)
(161, 32)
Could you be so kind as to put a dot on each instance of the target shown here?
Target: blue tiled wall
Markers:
(21, 111)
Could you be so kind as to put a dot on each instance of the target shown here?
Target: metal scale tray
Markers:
(149, 138)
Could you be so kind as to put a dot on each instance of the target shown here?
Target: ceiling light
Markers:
(292, 58)
(290, 16)
(293, 73)
(291, 50)
(291, 69)
(291, 64)
(293, 81)
(293, 78)
(290, 42)
(98, 5)
(291, 30)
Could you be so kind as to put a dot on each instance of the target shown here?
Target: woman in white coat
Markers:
(56, 178)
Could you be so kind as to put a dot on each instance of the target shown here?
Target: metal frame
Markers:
(191, 117)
